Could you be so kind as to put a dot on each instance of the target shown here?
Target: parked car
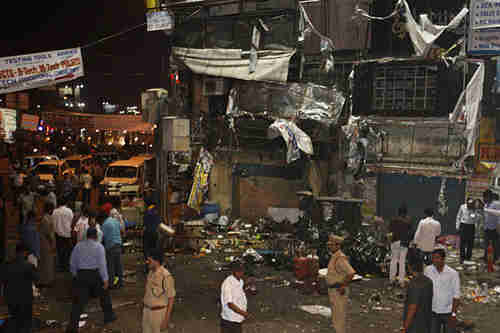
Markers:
(129, 177)
(50, 171)
(32, 160)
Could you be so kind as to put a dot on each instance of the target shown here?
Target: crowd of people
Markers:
(433, 293)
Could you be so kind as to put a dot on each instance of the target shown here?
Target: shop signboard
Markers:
(29, 122)
(160, 20)
(489, 152)
(484, 34)
(39, 69)
(8, 122)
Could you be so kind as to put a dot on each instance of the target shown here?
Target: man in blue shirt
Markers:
(490, 222)
(90, 278)
(111, 236)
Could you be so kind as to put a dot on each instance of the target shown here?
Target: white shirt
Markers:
(427, 231)
(62, 217)
(232, 292)
(446, 288)
(467, 216)
(81, 228)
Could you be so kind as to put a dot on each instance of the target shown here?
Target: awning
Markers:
(272, 65)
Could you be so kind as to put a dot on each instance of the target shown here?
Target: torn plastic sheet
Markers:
(363, 13)
(317, 309)
(309, 25)
(423, 35)
(467, 110)
(359, 134)
(296, 140)
(292, 100)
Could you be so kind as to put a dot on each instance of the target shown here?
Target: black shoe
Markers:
(110, 319)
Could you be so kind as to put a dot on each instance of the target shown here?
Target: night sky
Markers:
(116, 70)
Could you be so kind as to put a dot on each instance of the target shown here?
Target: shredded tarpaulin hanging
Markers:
(467, 111)
(442, 202)
(424, 35)
(296, 140)
(363, 13)
(200, 180)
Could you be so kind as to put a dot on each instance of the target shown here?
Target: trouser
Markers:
(440, 323)
(63, 248)
(398, 257)
(86, 196)
(338, 303)
(467, 232)
(88, 283)
(21, 318)
(227, 326)
(114, 262)
(491, 235)
(152, 319)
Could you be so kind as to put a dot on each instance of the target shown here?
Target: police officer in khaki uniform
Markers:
(159, 295)
(340, 273)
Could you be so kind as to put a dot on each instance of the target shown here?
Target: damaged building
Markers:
(351, 99)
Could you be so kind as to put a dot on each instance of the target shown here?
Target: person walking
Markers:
(90, 278)
(17, 279)
(417, 313)
(338, 277)
(491, 220)
(425, 237)
(47, 247)
(159, 295)
(115, 213)
(86, 180)
(151, 221)
(47, 195)
(400, 230)
(233, 300)
(31, 237)
(67, 188)
(446, 293)
(467, 219)
(63, 218)
(81, 225)
(113, 244)
(27, 203)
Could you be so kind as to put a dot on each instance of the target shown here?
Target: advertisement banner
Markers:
(489, 152)
(8, 120)
(484, 14)
(484, 41)
(39, 69)
(29, 122)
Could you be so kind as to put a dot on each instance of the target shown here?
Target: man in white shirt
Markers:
(233, 301)
(446, 293)
(63, 218)
(467, 219)
(425, 237)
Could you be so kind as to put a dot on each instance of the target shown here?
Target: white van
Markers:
(127, 177)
